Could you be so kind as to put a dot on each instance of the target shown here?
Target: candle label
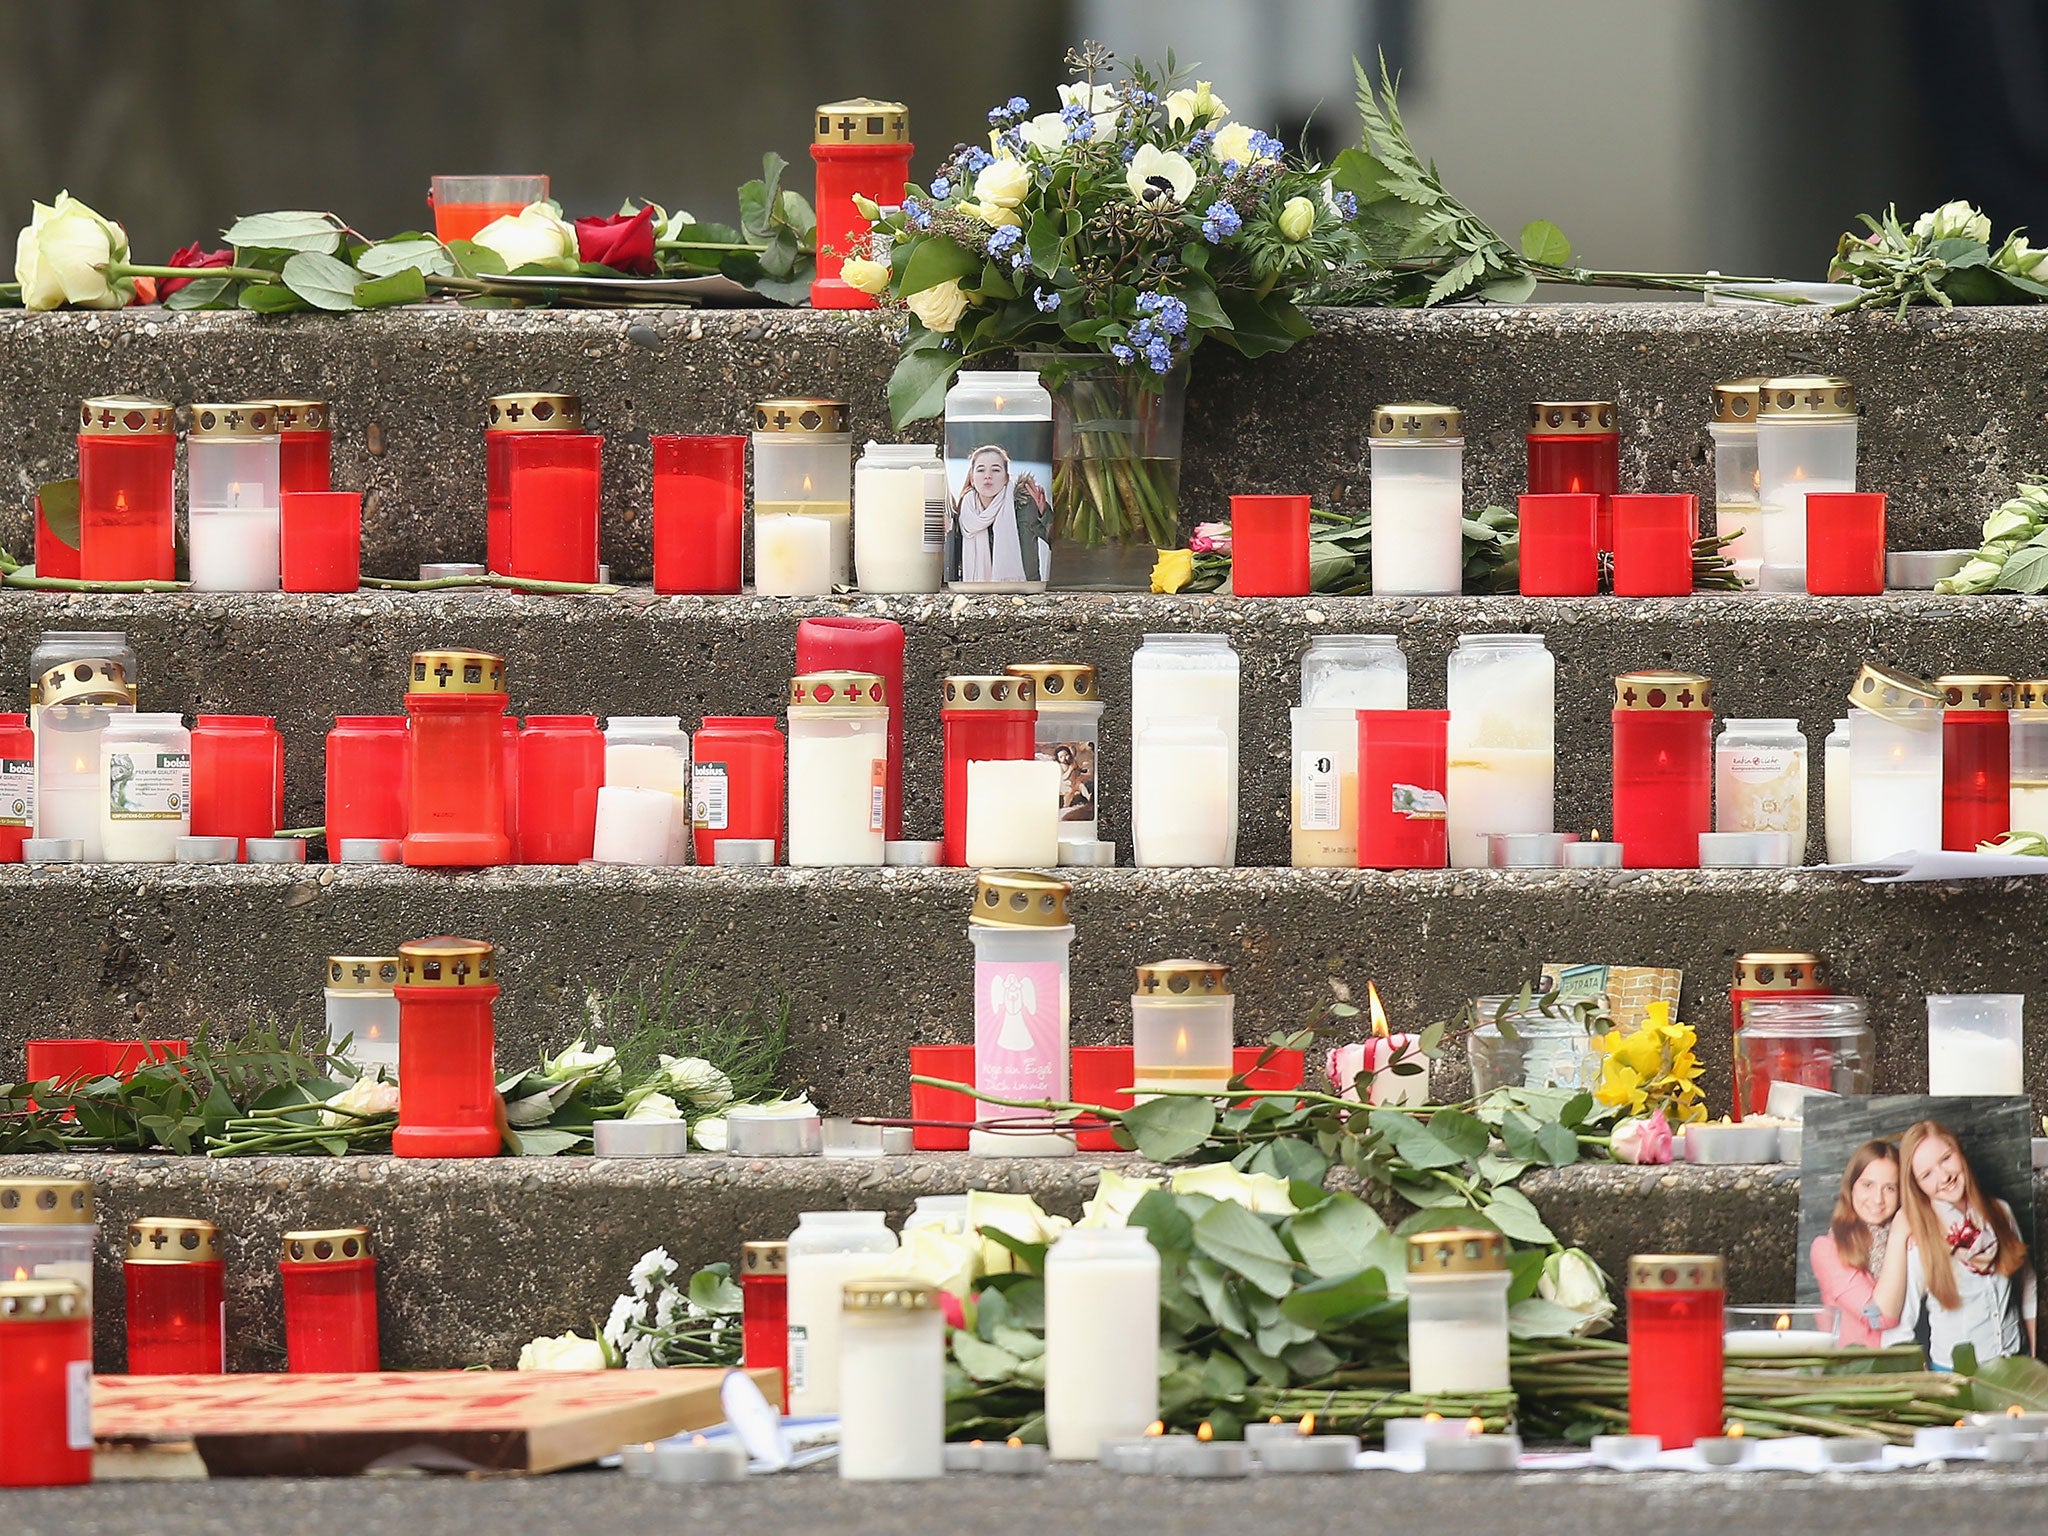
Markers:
(999, 513)
(1017, 1046)
(146, 785)
(1419, 804)
(878, 793)
(799, 1363)
(1765, 788)
(78, 1404)
(708, 804)
(1076, 760)
(1322, 806)
(17, 791)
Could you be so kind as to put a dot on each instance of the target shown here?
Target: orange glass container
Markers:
(455, 790)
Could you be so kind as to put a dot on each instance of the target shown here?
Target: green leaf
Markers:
(1259, 326)
(1226, 1310)
(715, 1291)
(321, 281)
(1417, 1143)
(1359, 173)
(1341, 1301)
(1033, 1254)
(1168, 1129)
(1575, 1110)
(984, 1362)
(1558, 1143)
(59, 501)
(1336, 1238)
(1516, 289)
(474, 260)
(405, 286)
(2014, 1381)
(427, 256)
(1166, 1223)
(2025, 572)
(1020, 1342)
(199, 293)
(1512, 1212)
(933, 260)
(545, 1141)
(917, 386)
(1540, 1319)
(271, 299)
(1290, 1158)
(1544, 242)
(1042, 243)
(1241, 1242)
(1462, 1132)
(1501, 1170)
(291, 230)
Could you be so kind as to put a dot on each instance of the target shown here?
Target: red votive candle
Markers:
(699, 511)
(446, 1049)
(1401, 774)
(1575, 450)
(1269, 546)
(764, 1310)
(1559, 553)
(561, 769)
(55, 555)
(850, 643)
(507, 418)
(1845, 543)
(1663, 768)
(305, 451)
(330, 1301)
(17, 786)
(125, 1058)
(1100, 1074)
(862, 149)
(954, 1063)
(1976, 758)
(1674, 1347)
(176, 1298)
(367, 775)
(1283, 1070)
(68, 1062)
(1653, 537)
(127, 459)
(45, 1384)
(456, 780)
(237, 778)
(736, 781)
(552, 486)
(320, 540)
(986, 720)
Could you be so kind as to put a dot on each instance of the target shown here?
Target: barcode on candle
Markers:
(934, 515)
(708, 796)
(1321, 810)
(799, 1358)
(78, 1404)
(17, 791)
(878, 794)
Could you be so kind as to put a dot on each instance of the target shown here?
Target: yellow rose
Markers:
(1174, 569)
(939, 307)
(1233, 141)
(867, 276)
(995, 215)
(1297, 218)
(1004, 184)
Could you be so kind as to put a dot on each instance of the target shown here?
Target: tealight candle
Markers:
(1778, 1331)
(1591, 853)
(1729, 1450)
(1259, 1436)
(1472, 1452)
(964, 1457)
(1406, 1437)
(1626, 1453)
(634, 826)
(1949, 1439)
(2009, 1448)
(1974, 1044)
(699, 1461)
(1303, 1450)
(1852, 1450)
(1142, 1455)
(1013, 1459)
(637, 1460)
(1203, 1456)
(1384, 1051)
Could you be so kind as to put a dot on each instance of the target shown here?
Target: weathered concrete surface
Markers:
(475, 1258)
(874, 961)
(307, 659)
(1952, 408)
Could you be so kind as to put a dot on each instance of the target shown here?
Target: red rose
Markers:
(191, 256)
(624, 242)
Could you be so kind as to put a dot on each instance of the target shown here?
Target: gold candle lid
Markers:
(173, 1240)
(332, 1245)
(1017, 695)
(1573, 418)
(800, 415)
(862, 120)
(1019, 898)
(1819, 396)
(1671, 692)
(1058, 681)
(232, 422)
(841, 690)
(1677, 1272)
(766, 1258)
(540, 410)
(361, 973)
(889, 1295)
(446, 962)
(456, 672)
(126, 416)
(1977, 690)
(2033, 693)
(1737, 401)
(45, 1202)
(1780, 970)
(298, 415)
(1178, 980)
(1895, 696)
(89, 680)
(42, 1301)
(1457, 1251)
(1415, 421)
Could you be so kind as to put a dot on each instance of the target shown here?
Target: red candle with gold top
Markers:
(1663, 767)
(127, 461)
(305, 444)
(764, 1310)
(1674, 1346)
(458, 778)
(862, 149)
(446, 1049)
(1575, 450)
(985, 719)
(508, 418)
(1976, 758)
(1772, 973)
(330, 1301)
(45, 1384)
(176, 1298)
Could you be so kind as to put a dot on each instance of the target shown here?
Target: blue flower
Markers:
(1013, 141)
(941, 187)
(1199, 144)
(1159, 356)
(1347, 205)
(1002, 239)
(1045, 300)
(1017, 106)
(1231, 167)
(1169, 313)
(1266, 147)
(1220, 222)
(997, 116)
(976, 160)
(1121, 353)
(1019, 262)
(917, 216)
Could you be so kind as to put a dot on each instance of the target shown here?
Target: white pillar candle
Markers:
(662, 765)
(1974, 1044)
(1186, 678)
(1013, 814)
(792, 555)
(231, 461)
(892, 1383)
(1501, 742)
(1181, 814)
(1758, 1343)
(1397, 1090)
(1101, 1340)
(1836, 802)
(1894, 787)
(233, 548)
(634, 826)
(827, 1249)
(145, 788)
(899, 518)
(834, 791)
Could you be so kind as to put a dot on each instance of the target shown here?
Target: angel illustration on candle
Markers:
(1077, 780)
(1015, 997)
(999, 528)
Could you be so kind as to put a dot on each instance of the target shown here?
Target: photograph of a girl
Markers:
(999, 525)
(1850, 1255)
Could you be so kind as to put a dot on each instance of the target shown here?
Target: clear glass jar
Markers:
(1736, 482)
(1805, 442)
(653, 752)
(899, 518)
(1354, 672)
(1188, 678)
(47, 1228)
(1836, 802)
(827, 1249)
(1457, 1312)
(1181, 795)
(1182, 1031)
(60, 645)
(232, 474)
(1418, 500)
(892, 1382)
(1022, 1005)
(1894, 786)
(803, 469)
(145, 788)
(363, 1010)
(1101, 1339)
(1548, 1051)
(68, 793)
(1975, 1044)
(999, 482)
(838, 768)
(2030, 759)
(1501, 743)
(946, 1212)
(1813, 1040)
(1760, 780)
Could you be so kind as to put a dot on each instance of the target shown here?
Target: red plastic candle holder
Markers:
(1674, 1347)
(125, 1058)
(1560, 552)
(237, 778)
(45, 1384)
(1269, 546)
(699, 513)
(68, 1062)
(862, 149)
(1402, 767)
(176, 1298)
(330, 1301)
(1653, 538)
(368, 770)
(55, 555)
(1283, 1071)
(1772, 974)
(1101, 1074)
(320, 540)
(764, 1310)
(1976, 759)
(17, 786)
(1845, 543)
(456, 781)
(851, 643)
(552, 482)
(507, 418)
(1575, 450)
(446, 1049)
(561, 769)
(954, 1063)
(986, 720)
(1663, 768)
(736, 782)
(127, 459)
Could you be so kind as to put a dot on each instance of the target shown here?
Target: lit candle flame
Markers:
(1205, 1433)
(1374, 1008)
(1475, 1425)
(1432, 1418)
(1734, 1429)
(120, 501)
(1593, 836)
(697, 1440)
(1784, 1321)
(2012, 1412)
(1275, 1419)
(1013, 1442)
(1308, 1423)
(976, 1444)
(22, 1274)
(807, 487)
(1156, 1427)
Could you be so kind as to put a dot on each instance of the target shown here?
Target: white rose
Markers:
(60, 258)
(1297, 218)
(1046, 133)
(939, 307)
(1159, 177)
(867, 276)
(570, 1352)
(1574, 1281)
(535, 236)
(2018, 257)
(1953, 221)
(696, 1080)
(1101, 102)
(1259, 1193)
(1004, 183)
(710, 1133)
(1016, 1216)
(579, 1058)
(654, 1106)
(360, 1099)
(1114, 1199)
(1191, 108)
(949, 1261)
(995, 215)
(1233, 141)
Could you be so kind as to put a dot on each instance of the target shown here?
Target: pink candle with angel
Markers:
(1378, 1055)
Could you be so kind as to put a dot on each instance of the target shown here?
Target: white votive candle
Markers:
(1181, 796)
(792, 556)
(1013, 814)
(1472, 1453)
(1974, 1044)
(633, 825)
(892, 1383)
(1101, 1339)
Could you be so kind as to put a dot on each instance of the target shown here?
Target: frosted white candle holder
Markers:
(1626, 1453)
(1745, 850)
(633, 826)
(1975, 1044)
(1472, 1453)
(1013, 814)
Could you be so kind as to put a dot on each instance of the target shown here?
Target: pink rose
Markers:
(1210, 539)
(1343, 1067)
(1646, 1139)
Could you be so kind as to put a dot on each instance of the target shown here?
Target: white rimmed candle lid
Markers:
(206, 850)
(640, 1138)
(438, 569)
(914, 853)
(1745, 850)
(1528, 850)
(277, 850)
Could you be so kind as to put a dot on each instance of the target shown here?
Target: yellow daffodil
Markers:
(1174, 569)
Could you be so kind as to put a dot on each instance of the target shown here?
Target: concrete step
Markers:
(1951, 409)
(477, 1257)
(307, 659)
(874, 961)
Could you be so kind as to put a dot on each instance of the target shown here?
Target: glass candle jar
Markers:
(464, 205)
(2028, 805)
(803, 468)
(1760, 780)
(736, 774)
(127, 464)
(1546, 1051)
(320, 541)
(892, 1382)
(47, 1227)
(508, 419)
(362, 1009)
(899, 518)
(826, 1251)
(552, 482)
(1418, 500)
(1805, 442)
(1101, 1339)
(446, 1049)
(1457, 1312)
(45, 1384)
(561, 769)
(108, 649)
(1845, 543)
(231, 473)
(1736, 482)
(305, 444)
(177, 1298)
(1895, 776)
(1269, 546)
(368, 769)
(17, 786)
(237, 778)
(1976, 758)
(1810, 1039)
(764, 1310)
(1560, 552)
(838, 768)
(1021, 936)
(1182, 1034)
(1187, 678)
(145, 788)
(1180, 794)
(1502, 742)
(855, 643)
(999, 482)
(1653, 537)
(862, 149)
(330, 1301)
(1765, 974)
(1575, 450)
(1975, 1044)
(653, 752)
(1323, 818)
(1401, 788)
(77, 701)
(1354, 672)
(1067, 734)
(1674, 1347)
(1663, 767)
(1835, 799)
(985, 719)
(53, 550)
(700, 498)
(456, 802)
